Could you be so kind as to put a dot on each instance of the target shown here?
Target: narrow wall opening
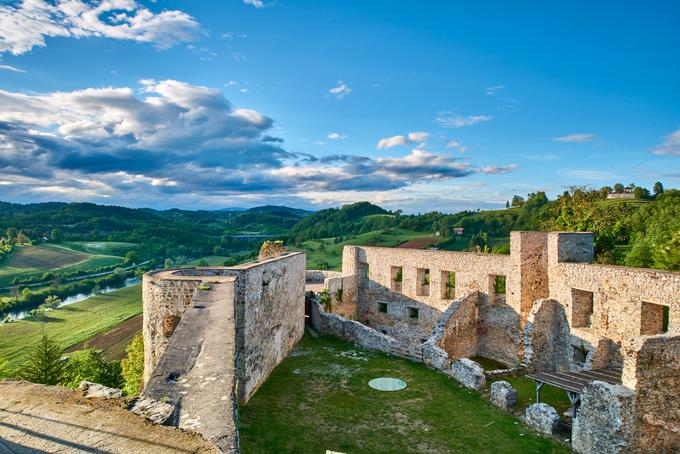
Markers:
(397, 276)
(653, 318)
(581, 308)
(448, 285)
(423, 282)
(497, 289)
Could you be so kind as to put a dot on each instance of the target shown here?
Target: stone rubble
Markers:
(96, 390)
(542, 417)
(469, 374)
(503, 395)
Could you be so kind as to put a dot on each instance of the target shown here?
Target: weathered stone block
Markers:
(96, 390)
(153, 410)
(605, 423)
(542, 417)
(468, 373)
(503, 395)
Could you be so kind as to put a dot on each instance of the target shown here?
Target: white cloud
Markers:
(255, 3)
(341, 90)
(389, 142)
(26, 25)
(458, 121)
(11, 68)
(671, 145)
(456, 145)
(418, 136)
(403, 140)
(494, 89)
(575, 138)
(336, 136)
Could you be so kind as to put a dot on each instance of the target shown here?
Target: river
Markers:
(19, 314)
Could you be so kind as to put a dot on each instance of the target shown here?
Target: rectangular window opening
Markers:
(496, 289)
(653, 318)
(423, 283)
(413, 312)
(382, 307)
(448, 284)
(397, 277)
(581, 308)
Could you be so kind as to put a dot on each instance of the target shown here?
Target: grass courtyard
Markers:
(318, 399)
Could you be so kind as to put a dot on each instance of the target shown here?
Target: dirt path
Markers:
(46, 419)
(113, 341)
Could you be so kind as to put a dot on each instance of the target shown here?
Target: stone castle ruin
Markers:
(213, 335)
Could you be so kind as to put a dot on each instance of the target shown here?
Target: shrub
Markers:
(133, 366)
(326, 300)
(91, 365)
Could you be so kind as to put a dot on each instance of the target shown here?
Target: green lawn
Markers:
(318, 399)
(70, 324)
(29, 261)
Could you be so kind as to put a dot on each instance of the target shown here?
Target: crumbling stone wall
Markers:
(498, 334)
(652, 370)
(605, 422)
(456, 331)
(546, 338)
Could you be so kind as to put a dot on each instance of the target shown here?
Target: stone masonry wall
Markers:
(270, 314)
(164, 302)
(456, 331)
(618, 293)
(652, 370)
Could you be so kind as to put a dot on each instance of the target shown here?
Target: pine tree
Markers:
(45, 363)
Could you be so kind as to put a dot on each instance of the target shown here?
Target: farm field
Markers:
(327, 254)
(29, 261)
(117, 248)
(422, 242)
(318, 398)
(71, 324)
(113, 341)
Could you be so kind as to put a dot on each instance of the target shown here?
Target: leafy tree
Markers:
(507, 204)
(517, 201)
(168, 264)
(202, 262)
(57, 235)
(45, 364)
(26, 294)
(52, 301)
(11, 234)
(479, 242)
(658, 189)
(90, 365)
(640, 192)
(132, 257)
(133, 366)
(618, 188)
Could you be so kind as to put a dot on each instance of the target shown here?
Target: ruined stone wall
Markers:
(498, 335)
(408, 310)
(618, 293)
(456, 330)
(164, 302)
(546, 339)
(270, 314)
(529, 268)
(652, 370)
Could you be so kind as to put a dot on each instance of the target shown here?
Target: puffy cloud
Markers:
(458, 121)
(341, 90)
(575, 138)
(255, 3)
(402, 140)
(172, 141)
(389, 142)
(670, 146)
(27, 24)
(336, 136)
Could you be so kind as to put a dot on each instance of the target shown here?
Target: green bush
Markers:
(90, 365)
(133, 366)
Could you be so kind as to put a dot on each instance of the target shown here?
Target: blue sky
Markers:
(420, 106)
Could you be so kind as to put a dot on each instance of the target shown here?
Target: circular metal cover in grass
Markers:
(387, 384)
